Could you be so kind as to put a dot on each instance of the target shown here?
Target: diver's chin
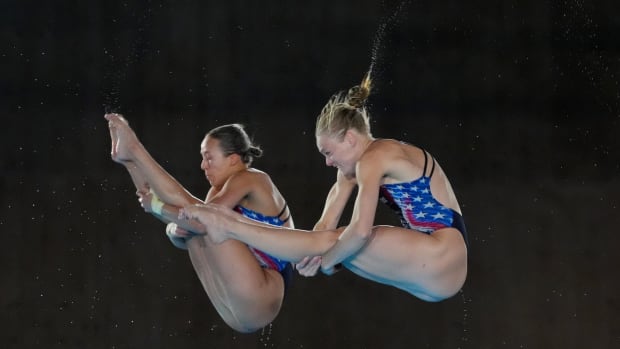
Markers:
(349, 173)
(210, 180)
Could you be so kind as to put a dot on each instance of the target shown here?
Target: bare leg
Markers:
(246, 296)
(126, 148)
(138, 179)
(284, 243)
(431, 267)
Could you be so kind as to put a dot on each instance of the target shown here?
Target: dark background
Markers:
(518, 101)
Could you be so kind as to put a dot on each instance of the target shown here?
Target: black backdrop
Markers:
(518, 101)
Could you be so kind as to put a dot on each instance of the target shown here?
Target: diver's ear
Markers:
(350, 138)
(233, 159)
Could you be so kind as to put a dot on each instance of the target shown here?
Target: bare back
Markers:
(254, 190)
(404, 163)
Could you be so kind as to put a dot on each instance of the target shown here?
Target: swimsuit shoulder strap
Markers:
(425, 161)
(432, 168)
(426, 156)
(282, 212)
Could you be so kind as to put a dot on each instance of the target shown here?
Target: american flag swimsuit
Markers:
(265, 260)
(416, 207)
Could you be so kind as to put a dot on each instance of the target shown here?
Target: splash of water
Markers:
(580, 29)
(265, 336)
(378, 43)
(466, 317)
(118, 64)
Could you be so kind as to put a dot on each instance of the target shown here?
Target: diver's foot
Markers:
(124, 140)
(212, 217)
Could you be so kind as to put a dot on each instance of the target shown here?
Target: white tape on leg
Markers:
(177, 241)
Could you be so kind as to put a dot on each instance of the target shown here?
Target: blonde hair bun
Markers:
(357, 95)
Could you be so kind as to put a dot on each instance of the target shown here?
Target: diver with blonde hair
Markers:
(426, 257)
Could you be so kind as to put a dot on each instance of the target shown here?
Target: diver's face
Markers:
(337, 152)
(215, 164)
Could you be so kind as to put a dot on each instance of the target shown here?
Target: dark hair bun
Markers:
(255, 152)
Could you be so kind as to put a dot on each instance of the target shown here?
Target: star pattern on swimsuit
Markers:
(439, 215)
(263, 258)
(418, 208)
